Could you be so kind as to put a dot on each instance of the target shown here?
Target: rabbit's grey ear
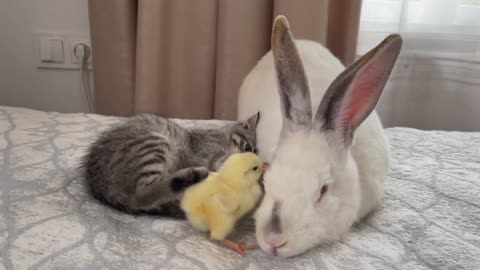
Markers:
(354, 93)
(291, 79)
(252, 122)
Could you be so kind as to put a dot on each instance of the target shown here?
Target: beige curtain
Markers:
(187, 59)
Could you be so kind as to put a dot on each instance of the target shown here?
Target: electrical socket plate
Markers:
(70, 40)
(76, 41)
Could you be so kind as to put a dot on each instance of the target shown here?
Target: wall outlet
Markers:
(75, 42)
(69, 40)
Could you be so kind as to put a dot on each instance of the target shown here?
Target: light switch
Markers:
(45, 50)
(57, 50)
(51, 50)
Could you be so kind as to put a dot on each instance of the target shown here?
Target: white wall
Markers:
(21, 82)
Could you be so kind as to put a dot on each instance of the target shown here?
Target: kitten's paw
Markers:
(199, 174)
(187, 177)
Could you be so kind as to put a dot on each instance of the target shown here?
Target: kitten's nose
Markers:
(275, 241)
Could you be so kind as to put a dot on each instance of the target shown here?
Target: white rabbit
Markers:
(322, 177)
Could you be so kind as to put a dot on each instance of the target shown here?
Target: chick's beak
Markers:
(264, 167)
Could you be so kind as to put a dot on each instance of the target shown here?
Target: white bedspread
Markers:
(430, 218)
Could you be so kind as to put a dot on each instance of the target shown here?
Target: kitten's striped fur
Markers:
(145, 163)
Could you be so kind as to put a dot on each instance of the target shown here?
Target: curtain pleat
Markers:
(241, 42)
(343, 26)
(176, 58)
(113, 27)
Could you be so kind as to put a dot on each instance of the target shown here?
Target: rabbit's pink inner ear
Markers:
(368, 83)
(354, 93)
(364, 95)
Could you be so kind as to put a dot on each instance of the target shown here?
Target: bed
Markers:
(430, 217)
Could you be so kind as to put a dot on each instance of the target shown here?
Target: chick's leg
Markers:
(221, 226)
(238, 247)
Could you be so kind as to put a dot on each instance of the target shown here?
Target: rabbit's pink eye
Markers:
(322, 193)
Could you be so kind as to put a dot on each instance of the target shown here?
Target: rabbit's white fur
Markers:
(304, 160)
(259, 90)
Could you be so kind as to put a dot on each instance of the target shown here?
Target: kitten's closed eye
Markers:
(242, 144)
(243, 136)
(247, 147)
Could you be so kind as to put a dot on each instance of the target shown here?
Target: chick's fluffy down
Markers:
(216, 203)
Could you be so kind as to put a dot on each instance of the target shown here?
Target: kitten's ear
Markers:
(252, 122)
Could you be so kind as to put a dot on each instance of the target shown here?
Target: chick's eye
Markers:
(255, 168)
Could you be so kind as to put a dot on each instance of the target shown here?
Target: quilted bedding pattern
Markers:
(430, 217)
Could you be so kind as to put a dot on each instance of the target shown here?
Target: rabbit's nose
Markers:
(275, 241)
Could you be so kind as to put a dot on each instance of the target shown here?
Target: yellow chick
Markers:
(218, 202)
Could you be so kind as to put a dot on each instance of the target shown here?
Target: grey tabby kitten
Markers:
(145, 164)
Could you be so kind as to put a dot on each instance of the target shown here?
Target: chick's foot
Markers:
(238, 247)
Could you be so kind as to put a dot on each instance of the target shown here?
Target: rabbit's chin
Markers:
(296, 245)
(290, 249)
